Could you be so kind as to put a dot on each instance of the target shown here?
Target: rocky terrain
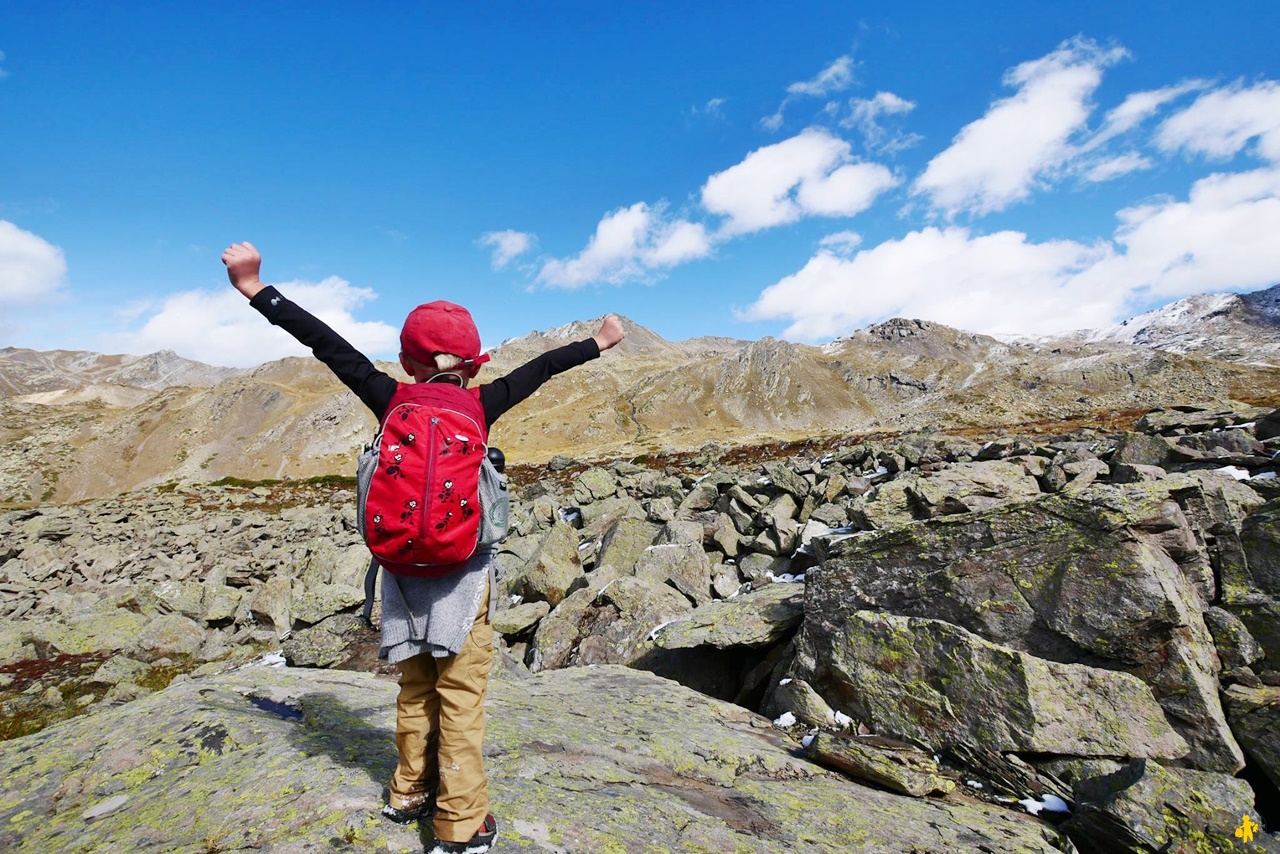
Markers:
(77, 425)
(914, 641)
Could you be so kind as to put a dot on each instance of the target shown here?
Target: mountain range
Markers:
(76, 425)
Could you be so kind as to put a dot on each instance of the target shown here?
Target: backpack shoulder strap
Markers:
(465, 400)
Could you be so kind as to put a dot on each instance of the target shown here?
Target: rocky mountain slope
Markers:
(1231, 327)
(925, 642)
(75, 426)
(35, 373)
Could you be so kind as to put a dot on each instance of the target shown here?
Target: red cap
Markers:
(441, 327)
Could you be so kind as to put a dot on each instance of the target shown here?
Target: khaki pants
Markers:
(440, 733)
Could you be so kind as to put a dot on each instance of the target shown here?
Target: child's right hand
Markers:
(243, 263)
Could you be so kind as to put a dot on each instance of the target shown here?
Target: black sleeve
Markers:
(502, 394)
(371, 385)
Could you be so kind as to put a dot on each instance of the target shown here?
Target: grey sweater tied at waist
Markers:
(434, 615)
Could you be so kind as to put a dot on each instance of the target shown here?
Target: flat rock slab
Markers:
(759, 618)
(598, 759)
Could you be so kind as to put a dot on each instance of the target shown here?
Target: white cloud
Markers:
(1139, 106)
(866, 115)
(1222, 238)
(998, 282)
(1114, 167)
(507, 245)
(629, 244)
(842, 242)
(218, 327)
(836, 77)
(809, 174)
(31, 268)
(1223, 122)
(713, 108)
(3, 72)
(997, 159)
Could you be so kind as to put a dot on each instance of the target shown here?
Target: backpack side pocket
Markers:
(495, 505)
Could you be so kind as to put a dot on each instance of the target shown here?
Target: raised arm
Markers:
(353, 368)
(502, 394)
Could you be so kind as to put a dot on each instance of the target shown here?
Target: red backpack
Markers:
(418, 494)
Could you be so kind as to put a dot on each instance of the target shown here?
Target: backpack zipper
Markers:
(427, 497)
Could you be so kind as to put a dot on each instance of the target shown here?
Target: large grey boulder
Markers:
(594, 484)
(324, 600)
(518, 619)
(1141, 449)
(556, 638)
(1251, 577)
(624, 542)
(552, 570)
(324, 644)
(1146, 807)
(583, 760)
(617, 627)
(1260, 538)
(1195, 418)
(1236, 647)
(1067, 579)
(935, 683)
(605, 624)
(271, 602)
(1255, 719)
(685, 566)
(958, 488)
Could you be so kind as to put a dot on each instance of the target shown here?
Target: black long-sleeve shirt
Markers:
(376, 388)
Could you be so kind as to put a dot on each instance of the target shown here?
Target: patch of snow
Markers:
(516, 600)
(786, 681)
(826, 458)
(569, 516)
(1050, 803)
(843, 720)
(271, 659)
(973, 784)
(653, 634)
(808, 739)
(785, 720)
(1235, 471)
(1264, 475)
(786, 578)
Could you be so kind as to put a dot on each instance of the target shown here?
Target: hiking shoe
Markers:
(408, 814)
(481, 842)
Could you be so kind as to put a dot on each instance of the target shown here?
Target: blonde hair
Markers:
(447, 361)
(441, 363)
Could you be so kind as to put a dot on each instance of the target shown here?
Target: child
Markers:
(444, 661)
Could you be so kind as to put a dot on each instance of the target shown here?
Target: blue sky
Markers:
(745, 169)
